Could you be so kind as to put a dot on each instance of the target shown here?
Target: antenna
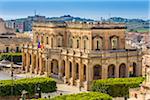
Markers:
(109, 16)
(35, 12)
(101, 19)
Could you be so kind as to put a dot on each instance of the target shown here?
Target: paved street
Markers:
(64, 89)
(4, 76)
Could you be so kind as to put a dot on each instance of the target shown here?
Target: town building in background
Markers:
(143, 92)
(24, 24)
(80, 52)
(9, 40)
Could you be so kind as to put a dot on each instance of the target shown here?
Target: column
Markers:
(27, 62)
(73, 73)
(66, 71)
(104, 71)
(127, 69)
(46, 67)
(32, 64)
(117, 71)
(80, 74)
(49, 67)
(24, 61)
(37, 64)
(89, 77)
(139, 68)
(40, 64)
(59, 69)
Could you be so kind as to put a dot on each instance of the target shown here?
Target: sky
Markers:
(94, 9)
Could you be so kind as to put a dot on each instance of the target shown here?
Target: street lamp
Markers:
(12, 73)
(39, 91)
(24, 92)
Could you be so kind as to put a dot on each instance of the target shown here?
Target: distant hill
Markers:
(137, 25)
(68, 18)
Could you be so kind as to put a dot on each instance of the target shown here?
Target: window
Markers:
(114, 42)
(97, 45)
(7, 49)
(77, 43)
(42, 39)
(17, 49)
(51, 42)
(59, 42)
(84, 44)
(47, 42)
(37, 38)
(30, 59)
(71, 42)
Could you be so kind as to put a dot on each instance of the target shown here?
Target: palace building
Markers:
(80, 52)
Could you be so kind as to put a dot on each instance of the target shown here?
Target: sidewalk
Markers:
(61, 87)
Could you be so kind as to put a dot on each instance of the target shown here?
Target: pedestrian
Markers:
(49, 96)
(60, 93)
(79, 88)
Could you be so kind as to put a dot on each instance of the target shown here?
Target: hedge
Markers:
(116, 87)
(29, 84)
(82, 96)
(16, 57)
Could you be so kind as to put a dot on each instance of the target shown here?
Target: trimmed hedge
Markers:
(17, 57)
(116, 87)
(82, 96)
(29, 84)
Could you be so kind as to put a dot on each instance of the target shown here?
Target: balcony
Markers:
(85, 53)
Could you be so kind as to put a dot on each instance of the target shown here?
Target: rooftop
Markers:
(82, 25)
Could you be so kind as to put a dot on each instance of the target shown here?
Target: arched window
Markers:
(58, 42)
(70, 43)
(122, 70)
(111, 71)
(84, 73)
(42, 39)
(77, 43)
(63, 68)
(114, 42)
(98, 43)
(37, 38)
(47, 42)
(77, 71)
(70, 67)
(84, 44)
(51, 42)
(132, 70)
(30, 59)
(97, 71)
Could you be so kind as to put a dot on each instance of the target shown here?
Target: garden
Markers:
(116, 87)
(31, 85)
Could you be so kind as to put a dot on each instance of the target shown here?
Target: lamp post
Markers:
(12, 74)
(39, 91)
(24, 92)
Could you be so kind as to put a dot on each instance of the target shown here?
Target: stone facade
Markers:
(79, 53)
(9, 40)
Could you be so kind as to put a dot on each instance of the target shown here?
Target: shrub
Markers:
(116, 87)
(82, 96)
(29, 84)
(16, 57)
